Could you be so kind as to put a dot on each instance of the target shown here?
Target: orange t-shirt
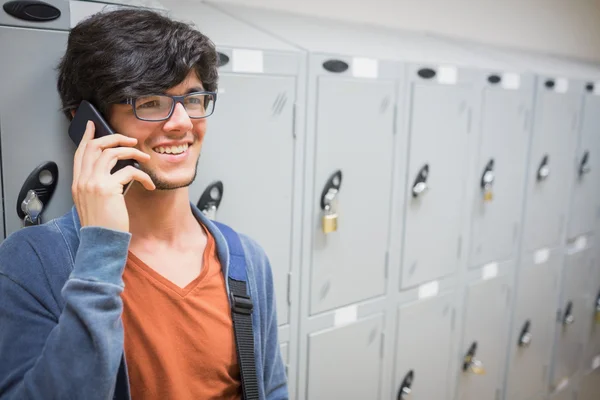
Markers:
(179, 342)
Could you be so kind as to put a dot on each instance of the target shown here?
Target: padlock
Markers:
(487, 193)
(330, 221)
(329, 218)
(32, 206)
(487, 181)
(471, 364)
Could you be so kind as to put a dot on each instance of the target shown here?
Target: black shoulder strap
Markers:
(241, 307)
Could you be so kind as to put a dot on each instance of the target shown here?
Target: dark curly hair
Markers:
(125, 53)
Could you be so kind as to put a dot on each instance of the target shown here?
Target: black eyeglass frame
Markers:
(176, 99)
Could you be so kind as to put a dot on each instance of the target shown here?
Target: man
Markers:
(127, 295)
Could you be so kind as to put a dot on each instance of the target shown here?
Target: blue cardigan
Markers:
(61, 334)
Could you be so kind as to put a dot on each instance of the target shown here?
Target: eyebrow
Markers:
(195, 89)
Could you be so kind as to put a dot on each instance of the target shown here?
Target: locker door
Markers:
(486, 326)
(565, 394)
(249, 147)
(573, 320)
(33, 130)
(423, 343)
(586, 191)
(438, 156)
(354, 136)
(503, 153)
(531, 339)
(550, 168)
(589, 388)
(345, 362)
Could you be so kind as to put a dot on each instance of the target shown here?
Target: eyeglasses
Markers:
(160, 107)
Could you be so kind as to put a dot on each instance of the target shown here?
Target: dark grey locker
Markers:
(505, 131)
(345, 362)
(361, 147)
(437, 174)
(33, 130)
(423, 345)
(531, 340)
(585, 201)
(481, 370)
(550, 166)
(572, 319)
(252, 155)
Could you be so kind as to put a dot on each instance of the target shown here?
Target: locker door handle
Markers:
(597, 313)
(487, 181)
(210, 200)
(36, 193)
(544, 169)
(584, 167)
(420, 183)
(568, 318)
(329, 197)
(472, 364)
(405, 391)
(525, 336)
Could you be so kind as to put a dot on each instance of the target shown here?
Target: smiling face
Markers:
(174, 145)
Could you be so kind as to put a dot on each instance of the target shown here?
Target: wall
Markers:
(564, 27)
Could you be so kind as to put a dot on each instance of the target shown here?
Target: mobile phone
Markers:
(87, 112)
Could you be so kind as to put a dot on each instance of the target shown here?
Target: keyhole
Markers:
(46, 177)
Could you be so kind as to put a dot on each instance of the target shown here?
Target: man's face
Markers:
(174, 145)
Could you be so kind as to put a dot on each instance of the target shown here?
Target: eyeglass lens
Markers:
(159, 107)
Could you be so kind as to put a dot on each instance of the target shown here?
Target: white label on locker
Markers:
(489, 271)
(429, 289)
(541, 256)
(365, 67)
(447, 74)
(247, 60)
(561, 85)
(596, 362)
(511, 80)
(580, 243)
(346, 315)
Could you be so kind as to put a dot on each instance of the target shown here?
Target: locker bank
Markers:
(431, 205)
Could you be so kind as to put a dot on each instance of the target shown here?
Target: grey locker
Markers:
(550, 167)
(534, 313)
(589, 387)
(343, 272)
(591, 356)
(33, 130)
(565, 394)
(253, 156)
(505, 132)
(438, 155)
(572, 319)
(345, 362)
(485, 331)
(423, 345)
(585, 201)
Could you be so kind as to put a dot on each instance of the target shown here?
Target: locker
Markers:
(423, 344)
(585, 202)
(589, 387)
(565, 394)
(253, 156)
(345, 362)
(33, 130)
(438, 160)
(531, 341)
(485, 331)
(591, 356)
(572, 321)
(504, 140)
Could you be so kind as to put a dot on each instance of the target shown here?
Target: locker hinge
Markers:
(382, 347)
(289, 289)
(294, 121)
(387, 265)
(395, 120)
(459, 247)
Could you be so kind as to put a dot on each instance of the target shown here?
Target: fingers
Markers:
(109, 157)
(77, 159)
(129, 173)
(94, 149)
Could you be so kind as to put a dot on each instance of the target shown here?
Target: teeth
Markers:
(172, 149)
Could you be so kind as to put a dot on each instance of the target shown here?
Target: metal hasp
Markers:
(584, 167)
(37, 192)
(329, 202)
(543, 170)
(525, 336)
(210, 200)
(32, 10)
(470, 363)
(487, 181)
(405, 391)
(568, 318)
(420, 183)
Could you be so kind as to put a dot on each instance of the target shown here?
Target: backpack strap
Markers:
(241, 310)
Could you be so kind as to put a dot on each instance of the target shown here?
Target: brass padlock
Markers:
(487, 181)
(471, 364)
(487, 193)
(330, 221)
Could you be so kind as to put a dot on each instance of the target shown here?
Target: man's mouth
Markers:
(171, 149)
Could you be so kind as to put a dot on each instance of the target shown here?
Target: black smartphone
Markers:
(87, 112)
